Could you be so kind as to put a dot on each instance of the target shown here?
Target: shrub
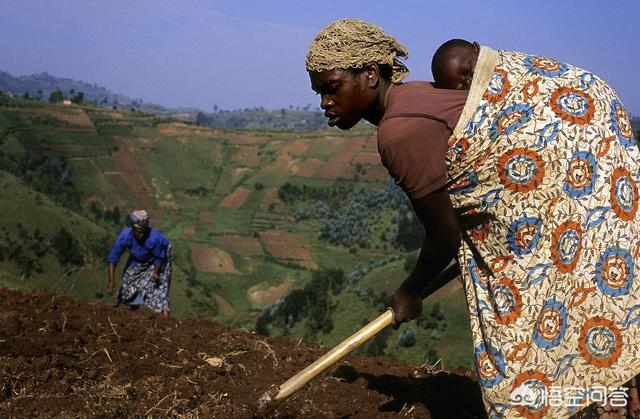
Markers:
(378, 344)
(67, 248)
(407, 339)
(311, 303)
(410, 231)
(56, 97)
(410, 262)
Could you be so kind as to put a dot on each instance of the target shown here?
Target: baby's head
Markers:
(453, 64)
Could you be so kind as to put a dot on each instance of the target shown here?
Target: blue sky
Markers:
(238, 54)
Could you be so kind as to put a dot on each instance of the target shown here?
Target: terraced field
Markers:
(239, 246)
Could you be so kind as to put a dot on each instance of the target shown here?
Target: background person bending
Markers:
(147, 274)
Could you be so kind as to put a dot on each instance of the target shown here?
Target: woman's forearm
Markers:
(430, 272)
(441, 244)
(111, 273)
(111, 270)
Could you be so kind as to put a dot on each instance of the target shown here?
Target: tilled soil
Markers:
(64, 358)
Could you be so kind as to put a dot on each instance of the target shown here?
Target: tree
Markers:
(203, 119)
(96, 211)
(432, 355)
(312, 303)
(4, 98)
(410, 232)
(67, 248)
(410, 262)
(115, 215)
(262, 325)
(407, 339)
(56, 96)
(377, 345)
(437, 312)
(236, 122)
(78, 98)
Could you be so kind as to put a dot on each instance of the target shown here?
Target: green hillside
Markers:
(253, 216)
(30, 222)
(46, 246)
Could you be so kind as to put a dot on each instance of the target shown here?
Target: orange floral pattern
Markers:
(600, 342)
(572, 105)
(553, 163)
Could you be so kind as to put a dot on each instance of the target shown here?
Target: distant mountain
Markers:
(41, 85)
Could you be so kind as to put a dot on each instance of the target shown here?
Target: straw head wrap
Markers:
(351, 43)
(139, 218)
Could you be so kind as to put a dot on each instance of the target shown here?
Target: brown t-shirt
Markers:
(414, 132)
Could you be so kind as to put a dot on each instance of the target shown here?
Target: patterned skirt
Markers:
(552, 281)
(137, 286)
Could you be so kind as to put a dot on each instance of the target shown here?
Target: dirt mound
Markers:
(262, 295)
(210, 259)
(288, 247)
(367, 158)
(297, 148)
(241, 245)
(246, 138)
(62, 358)
(237, 198)
(229, 178)
(187, 231)
(208, 217)
(66, 115)
(334, 171)
(355, 144)
(226, 309)
(306, 168)
(342, 157)
(130, 171)
(244, 155)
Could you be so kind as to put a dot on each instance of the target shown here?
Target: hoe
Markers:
(275, 395)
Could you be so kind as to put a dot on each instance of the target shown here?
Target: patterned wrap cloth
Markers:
(136, 283)
(553, 289)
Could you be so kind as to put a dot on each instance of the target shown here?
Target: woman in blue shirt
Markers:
(147, 273)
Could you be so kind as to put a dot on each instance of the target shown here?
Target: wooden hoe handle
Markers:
(294, 383)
